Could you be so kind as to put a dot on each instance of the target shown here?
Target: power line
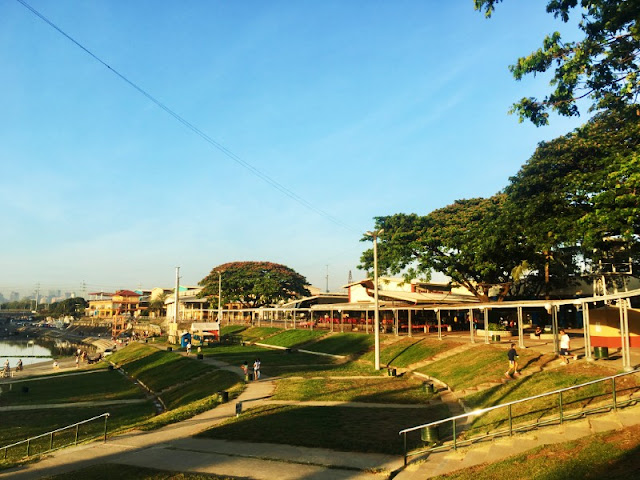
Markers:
(255, 171)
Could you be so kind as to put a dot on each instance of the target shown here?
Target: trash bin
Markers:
(495, 338)
(200, 356)
(601, 352)
(391, 372)
(169, 349)
(223, 396)
(25, 389)
(430, 435)
(428, 387)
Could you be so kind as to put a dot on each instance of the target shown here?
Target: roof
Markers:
(127, 293)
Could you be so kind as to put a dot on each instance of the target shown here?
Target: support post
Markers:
(587, 331)
(520, 328)
(486, 324)
(473, 340)
(439, 324)
(409, 326)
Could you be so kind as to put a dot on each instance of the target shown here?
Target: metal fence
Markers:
(56, 439)
(505, 414)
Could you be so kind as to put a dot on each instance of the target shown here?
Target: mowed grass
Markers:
(164, 369)
(110, 471)
(292, 338)
(611, 455)
(343, 344)
(331, 368)
(408, 351)
(372, 390)
(206, 386)
(254, 334)
(237, 354)
(232, 329)
(20, 425)
(547, 381)
(133, 351)
(346, 429)
(481, 364)
(99, 386)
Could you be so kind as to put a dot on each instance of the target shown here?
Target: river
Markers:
(34, 350)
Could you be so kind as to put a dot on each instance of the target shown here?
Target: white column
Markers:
(520, 328)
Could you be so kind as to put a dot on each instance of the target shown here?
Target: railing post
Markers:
(405, 448)
(51, 441)
(510, 422)
(613, 392)
(561, 413)
(455, 443)
(106, 417)
(28, 447)
(77, 428)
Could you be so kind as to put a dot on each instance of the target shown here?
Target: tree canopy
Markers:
(468, 241)
(254, 284)
(577, 198)
(603, 66)
(70, 307)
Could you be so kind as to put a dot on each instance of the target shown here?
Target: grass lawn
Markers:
(375, 390)
(408, 351)
(237, 354)
(232, 329)
(343, 344)
(611, 455)
(164, 369)
(205, 386)
(478, 365)
(106, 385)
(133, 351)
(333, 369)
(547, 381)
(255, 334)
(20, 425)
(292, 338)
(110, 471)
(338, 428)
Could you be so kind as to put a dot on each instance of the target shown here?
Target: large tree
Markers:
(603, 66)
(577, 193)
(254, 284)
(469, 241)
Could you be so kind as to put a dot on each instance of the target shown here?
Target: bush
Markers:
(497, 327)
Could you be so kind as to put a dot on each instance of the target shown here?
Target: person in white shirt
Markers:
(565, 347)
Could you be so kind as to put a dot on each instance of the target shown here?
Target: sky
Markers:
(358, 108)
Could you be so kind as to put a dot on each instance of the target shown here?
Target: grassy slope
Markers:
(255, 334)
(107, 385)
(407, 351)
(611, 455)
(376, 390)
(477, 365)
(360, 429)
(343, 344)
(292, 338)
(110, 471)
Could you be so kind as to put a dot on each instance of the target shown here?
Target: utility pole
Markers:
(327, 277)
(175, 318)
(220, 298)
(376, 319)
(37, 295)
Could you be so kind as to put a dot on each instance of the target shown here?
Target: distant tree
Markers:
(157, 304)
(603, 66)
(70, 307)
(254, 284)
(469, 241)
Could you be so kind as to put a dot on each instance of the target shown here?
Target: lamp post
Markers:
(376, 319)
(219, 297)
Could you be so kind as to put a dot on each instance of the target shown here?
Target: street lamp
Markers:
(219, 297)
(376, 319)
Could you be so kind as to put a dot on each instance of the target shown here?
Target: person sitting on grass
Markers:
(512, 355)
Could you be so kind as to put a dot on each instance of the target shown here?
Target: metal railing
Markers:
(429, 428)
(29, 442)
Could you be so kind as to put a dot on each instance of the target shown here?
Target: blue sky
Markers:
(362, 108)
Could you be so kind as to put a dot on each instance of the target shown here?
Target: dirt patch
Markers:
(626, 439)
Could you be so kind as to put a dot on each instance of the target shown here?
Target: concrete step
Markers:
(605, 423)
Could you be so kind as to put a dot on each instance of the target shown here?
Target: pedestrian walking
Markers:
(565, 347)
(77, 361)
(256, 369)
(188, 348)
(512, 355)
(245, 371)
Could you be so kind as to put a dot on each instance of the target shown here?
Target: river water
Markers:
(33, 350)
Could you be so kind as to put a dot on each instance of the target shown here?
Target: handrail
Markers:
(52, 432)
(482, 411)
(534, 397)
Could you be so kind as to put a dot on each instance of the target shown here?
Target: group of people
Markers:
(256, 370)
(6, 370)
